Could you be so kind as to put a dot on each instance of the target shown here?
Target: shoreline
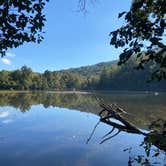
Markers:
(82, 92)
(45, 91)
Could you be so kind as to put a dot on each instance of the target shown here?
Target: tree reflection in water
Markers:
(142, 109)
(154, 143)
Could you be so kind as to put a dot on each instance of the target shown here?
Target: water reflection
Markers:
(142, 108)
(154, 142)
(154, 145)
(24, 101)
(41, 128)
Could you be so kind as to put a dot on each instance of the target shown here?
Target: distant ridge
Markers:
(92, 69)
(110, 76)
(101, 76)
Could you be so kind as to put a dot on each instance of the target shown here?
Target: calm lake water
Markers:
(52, 129)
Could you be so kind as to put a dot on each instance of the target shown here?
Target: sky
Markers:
(72, 38)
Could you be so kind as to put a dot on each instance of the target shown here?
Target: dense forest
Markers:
(26, 79)
(102, 76)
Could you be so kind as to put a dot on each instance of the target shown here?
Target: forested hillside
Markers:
(126, 77)
(92, 69)
(102, 76)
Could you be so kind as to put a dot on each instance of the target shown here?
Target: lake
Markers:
(52, 129)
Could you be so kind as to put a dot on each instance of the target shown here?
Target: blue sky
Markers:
(72, 39)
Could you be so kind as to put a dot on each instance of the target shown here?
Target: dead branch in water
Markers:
(113, 111)
(110, 112)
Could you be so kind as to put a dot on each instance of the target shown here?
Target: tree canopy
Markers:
(20, 21)
(108, 77)
(143, 35)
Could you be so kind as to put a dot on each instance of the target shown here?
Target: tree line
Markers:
(110, 78)
(26, 79)
(125, 77)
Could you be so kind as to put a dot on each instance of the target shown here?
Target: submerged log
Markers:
(113, 111)
(156, 136)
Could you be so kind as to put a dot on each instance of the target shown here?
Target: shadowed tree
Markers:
(20, 22)
(143, 35)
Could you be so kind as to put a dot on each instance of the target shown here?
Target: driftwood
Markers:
(113, 111)
(156, 136)
(110, 112)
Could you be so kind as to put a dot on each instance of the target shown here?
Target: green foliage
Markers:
(96, 69)
(124, 77)
(26, 79)
(20, 21)
(110, 77)
(144, 30)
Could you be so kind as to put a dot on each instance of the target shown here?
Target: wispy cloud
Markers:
(6, 61)
(4, 114)
(7, 121)
(9, 54)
